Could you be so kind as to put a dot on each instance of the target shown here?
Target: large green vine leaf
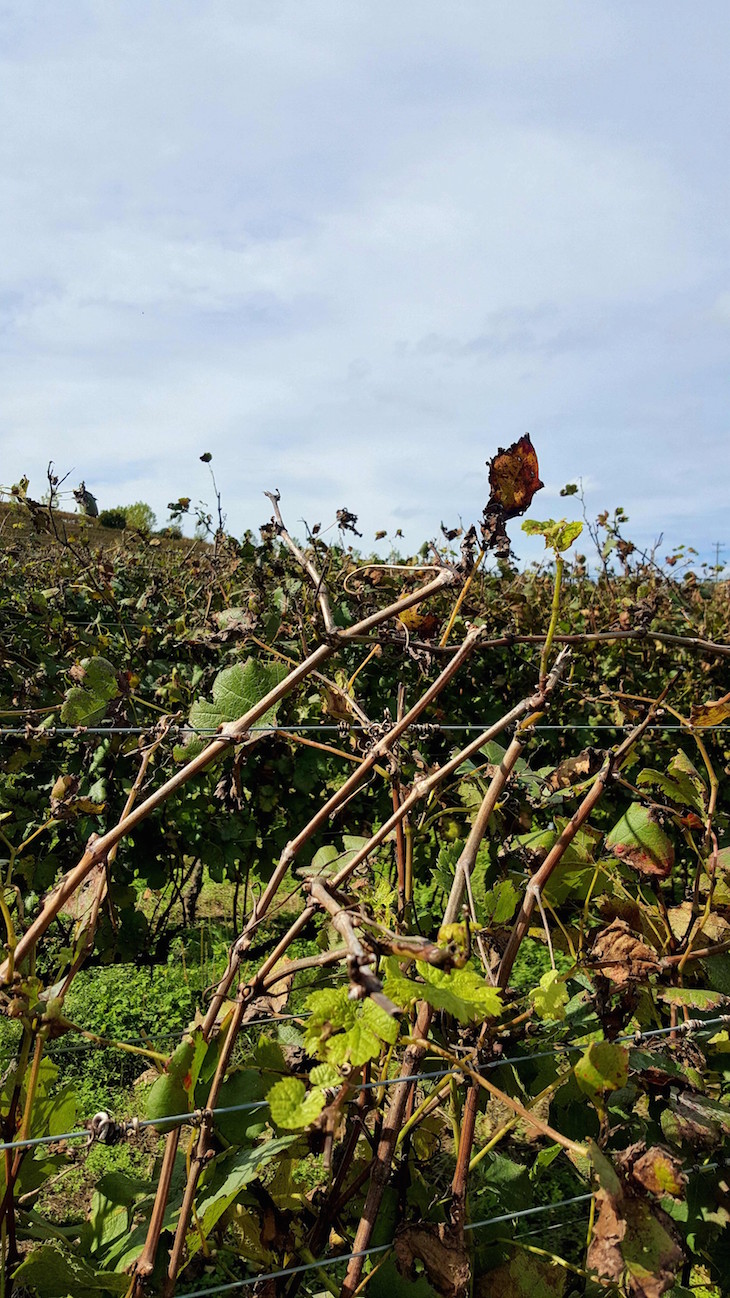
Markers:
(54, 1272)
(604, 1067)
(236, 690)
(225, 1182)
(461, 993)
(682, 783)
(341, 1030)
(242, 1086)
(550, 996)
(291, 1105)
(87, 702)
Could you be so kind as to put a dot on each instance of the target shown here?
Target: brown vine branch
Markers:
(555, 855)
(467, 859)
(325, 812)
(363, 979)
(383, 1157)
(582, 638)
(321, 592)
(229, 734)
(423, 787)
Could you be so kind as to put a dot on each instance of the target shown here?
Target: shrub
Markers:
(141, 516)
(113, 518)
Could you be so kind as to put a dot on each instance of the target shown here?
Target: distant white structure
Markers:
(87, 502)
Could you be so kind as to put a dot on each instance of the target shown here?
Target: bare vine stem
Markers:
(363, 979)
(230, 734)
(445, 576)
(321, 591)
(399, 1102)
(555, 855)
(579, 638)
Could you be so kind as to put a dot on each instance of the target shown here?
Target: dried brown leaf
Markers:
(632, 1243)
(513, 481)
(659, 1173)
(712, 713)
(514, 477)
(622, 956)
(443, 1254)
(575, 769)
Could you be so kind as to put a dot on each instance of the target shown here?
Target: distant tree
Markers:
(141, 516)
(115, 518)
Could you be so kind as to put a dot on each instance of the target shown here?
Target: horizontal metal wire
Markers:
(231, 1285)
(516, 1215)
(694, 1025)
(147, 1039)
(436, 727)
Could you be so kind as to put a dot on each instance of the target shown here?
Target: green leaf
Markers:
(292, 1106)
(604, 1067)
(499, 905)
(86, 703)
(355, 1046)
(329, 854)
(239, 688)
(550, 997)
(682, 783)
(641, 842)
(324, 1075)
(52, 1272)
(361, 1027)
(697, 998)
(332, 1007)
(223, 1185)
(236, 690)
(379, 1021)
(461, 993)
(558, 535)
(524, 1275)
(545, 1157)
(606, 1174)
(242, 1086)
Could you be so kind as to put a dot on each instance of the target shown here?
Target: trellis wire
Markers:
(183, 731)
(518, 1213)
(134, 1125)
(149, 1038)
(231, 1285)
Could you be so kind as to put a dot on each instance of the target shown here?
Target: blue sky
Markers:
(351, 247)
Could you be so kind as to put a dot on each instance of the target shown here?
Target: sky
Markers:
(352, 247)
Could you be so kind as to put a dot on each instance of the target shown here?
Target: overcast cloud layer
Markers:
(351, 247)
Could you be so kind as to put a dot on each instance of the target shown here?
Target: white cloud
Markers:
(351, 249)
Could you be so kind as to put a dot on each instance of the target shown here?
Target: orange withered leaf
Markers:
(513, 481)
(514, 477)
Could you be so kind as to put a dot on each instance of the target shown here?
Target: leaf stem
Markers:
(554, 614)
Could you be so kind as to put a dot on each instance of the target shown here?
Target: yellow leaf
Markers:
(712, 713)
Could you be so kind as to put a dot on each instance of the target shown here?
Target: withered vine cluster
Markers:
(504, 855)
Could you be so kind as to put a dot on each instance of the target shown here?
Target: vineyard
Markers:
(366, 921)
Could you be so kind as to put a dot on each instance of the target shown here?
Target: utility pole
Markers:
(719, 546)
